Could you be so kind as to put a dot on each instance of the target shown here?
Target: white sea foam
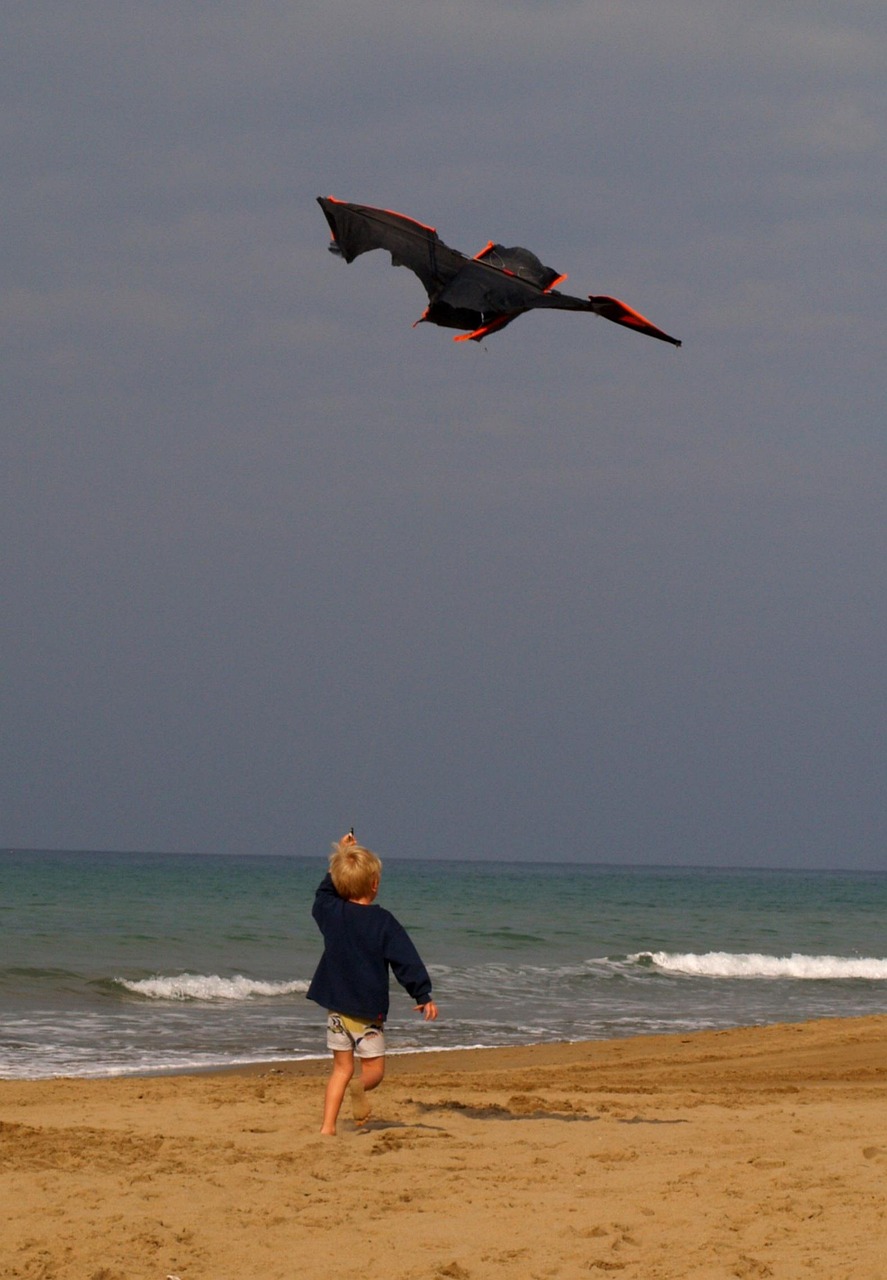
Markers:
(200, 986)
(723, 964)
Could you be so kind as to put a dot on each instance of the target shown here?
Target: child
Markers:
(360, 942)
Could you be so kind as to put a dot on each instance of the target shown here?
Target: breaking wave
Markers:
(209, 987)
(722, 964)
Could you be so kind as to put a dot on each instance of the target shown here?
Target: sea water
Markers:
(117, 964)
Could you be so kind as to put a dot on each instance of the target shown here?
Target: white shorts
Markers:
(364, 1039)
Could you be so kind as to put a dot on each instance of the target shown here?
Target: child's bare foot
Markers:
(360, 1108)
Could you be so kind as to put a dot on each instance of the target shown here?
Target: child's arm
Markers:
(408, 969)
(326, 892)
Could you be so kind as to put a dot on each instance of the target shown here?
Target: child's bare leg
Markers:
(340, 1075)
(369, 1076)
(372, 1071)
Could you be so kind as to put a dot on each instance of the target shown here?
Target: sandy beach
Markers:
(752, 1152)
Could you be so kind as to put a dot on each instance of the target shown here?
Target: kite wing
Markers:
(358, 228)
(481, 294)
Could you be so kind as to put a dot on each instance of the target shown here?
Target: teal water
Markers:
(115, 963)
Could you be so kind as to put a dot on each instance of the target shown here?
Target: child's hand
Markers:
(428, 1011)
(348, 839)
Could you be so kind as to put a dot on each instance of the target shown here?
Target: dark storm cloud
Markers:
(276, 562)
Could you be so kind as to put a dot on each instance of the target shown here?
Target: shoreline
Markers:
(746, 1152)
(310, 1063)
(518, 1056)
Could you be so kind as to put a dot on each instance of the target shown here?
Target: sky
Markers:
(276, 563)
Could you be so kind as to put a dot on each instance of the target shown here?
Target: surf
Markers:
(208, 988)
(723, 964)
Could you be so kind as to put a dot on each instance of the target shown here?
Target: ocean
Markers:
(115, 964)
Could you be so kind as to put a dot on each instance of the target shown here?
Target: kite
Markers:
(481, 294)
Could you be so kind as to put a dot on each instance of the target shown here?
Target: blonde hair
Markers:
(355, 870)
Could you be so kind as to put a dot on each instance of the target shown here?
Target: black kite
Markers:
(481, 294)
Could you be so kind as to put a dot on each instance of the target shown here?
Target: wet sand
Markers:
(754, 1152)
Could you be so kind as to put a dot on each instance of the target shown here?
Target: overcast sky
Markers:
(275, 562)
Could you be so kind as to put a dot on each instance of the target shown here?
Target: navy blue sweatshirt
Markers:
(360, 943)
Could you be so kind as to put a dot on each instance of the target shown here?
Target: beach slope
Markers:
(752, 1152)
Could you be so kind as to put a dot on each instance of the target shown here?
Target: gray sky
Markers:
(275, 562)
